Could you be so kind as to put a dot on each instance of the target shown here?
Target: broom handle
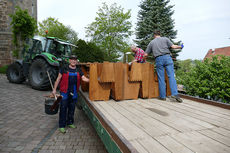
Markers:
(51, 83)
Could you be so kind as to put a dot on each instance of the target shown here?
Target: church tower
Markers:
(8, 7)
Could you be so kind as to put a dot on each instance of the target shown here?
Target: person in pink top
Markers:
(139, 55)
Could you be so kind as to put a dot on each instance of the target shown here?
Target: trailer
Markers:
(149, 125)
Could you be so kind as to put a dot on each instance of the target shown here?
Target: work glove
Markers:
(182, 46)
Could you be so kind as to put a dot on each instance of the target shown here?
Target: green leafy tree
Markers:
(155, 15)
(23, 26)
(184, 67)
(88, 52)
(110, 30)
(57, 29)
(209, 79)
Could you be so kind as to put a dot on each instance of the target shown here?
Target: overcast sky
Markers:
(201, 24)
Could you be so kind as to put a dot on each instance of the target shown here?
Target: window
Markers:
(67, 50)
(50, 47)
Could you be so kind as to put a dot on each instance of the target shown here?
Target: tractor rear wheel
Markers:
(38, 76)
(14, 73)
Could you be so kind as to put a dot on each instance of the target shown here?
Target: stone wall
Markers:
(5, 48)
(3, 16)
(8, 7)
(5, 34)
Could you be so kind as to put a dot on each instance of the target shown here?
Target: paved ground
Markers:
(25, 128)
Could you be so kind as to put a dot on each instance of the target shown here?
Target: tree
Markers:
(110, 30)
(23, 26)
(209, 79)
(155, 15)
(57, 29)
(184, 67)
(88, 52)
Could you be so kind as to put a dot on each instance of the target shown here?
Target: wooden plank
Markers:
(131, 89)
(216, 136)
(107, 72)
(208, 107)
(111, 119)
(205, 110)
(138, 146)
(206, 101)
(212, 119)
(154, 123)
(178, 115)
(85, 85)
(135, 72)
(193, 113)
(226, 127)
(200, 143)
(122, 88)
(132, 132)
(147, 124)
(118, 85)
(153, 146)
(97, 91)
(144, 91)
(172, 145)
(153, 83)
(222, 131)
(119, 127)
(170, 120)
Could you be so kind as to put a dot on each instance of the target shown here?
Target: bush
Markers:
(209, 79)
(183, 68)
(3, 69)
(88, 52)
(23, 26)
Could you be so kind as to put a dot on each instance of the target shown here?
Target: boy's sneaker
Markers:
(62, 130)
(176, 99)
(72, 126)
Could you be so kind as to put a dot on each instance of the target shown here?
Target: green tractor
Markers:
(43, 54)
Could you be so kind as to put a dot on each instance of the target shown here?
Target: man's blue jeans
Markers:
(67, 109)
(162, 63)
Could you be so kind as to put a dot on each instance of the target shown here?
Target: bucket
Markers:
(48, 104)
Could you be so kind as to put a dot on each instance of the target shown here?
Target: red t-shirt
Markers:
(139, 56)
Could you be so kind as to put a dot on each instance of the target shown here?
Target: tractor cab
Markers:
(41, 55)
(38, 45)
(58, 47)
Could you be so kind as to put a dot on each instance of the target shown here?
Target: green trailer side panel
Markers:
(109, 143)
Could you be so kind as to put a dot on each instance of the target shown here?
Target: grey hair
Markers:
(133, 46)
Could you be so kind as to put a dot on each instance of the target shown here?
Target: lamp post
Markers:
(126, 56)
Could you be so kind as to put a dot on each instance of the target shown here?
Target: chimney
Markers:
(213, 51)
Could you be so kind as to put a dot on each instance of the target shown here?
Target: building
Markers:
(8, 7)
(218, 51)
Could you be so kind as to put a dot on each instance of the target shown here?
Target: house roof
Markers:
(218, 51)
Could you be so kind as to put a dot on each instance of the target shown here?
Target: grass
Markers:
(3, 69)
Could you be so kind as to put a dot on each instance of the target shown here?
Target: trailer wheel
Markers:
(38, 77)
(14, 73)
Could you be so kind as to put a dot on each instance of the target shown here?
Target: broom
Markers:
(57, 99)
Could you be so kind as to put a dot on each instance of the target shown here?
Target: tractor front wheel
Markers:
(38, 76)
(14, 73)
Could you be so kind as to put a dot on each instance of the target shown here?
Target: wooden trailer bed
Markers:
(154, 126)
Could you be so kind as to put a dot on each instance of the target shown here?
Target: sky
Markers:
(201, 24)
